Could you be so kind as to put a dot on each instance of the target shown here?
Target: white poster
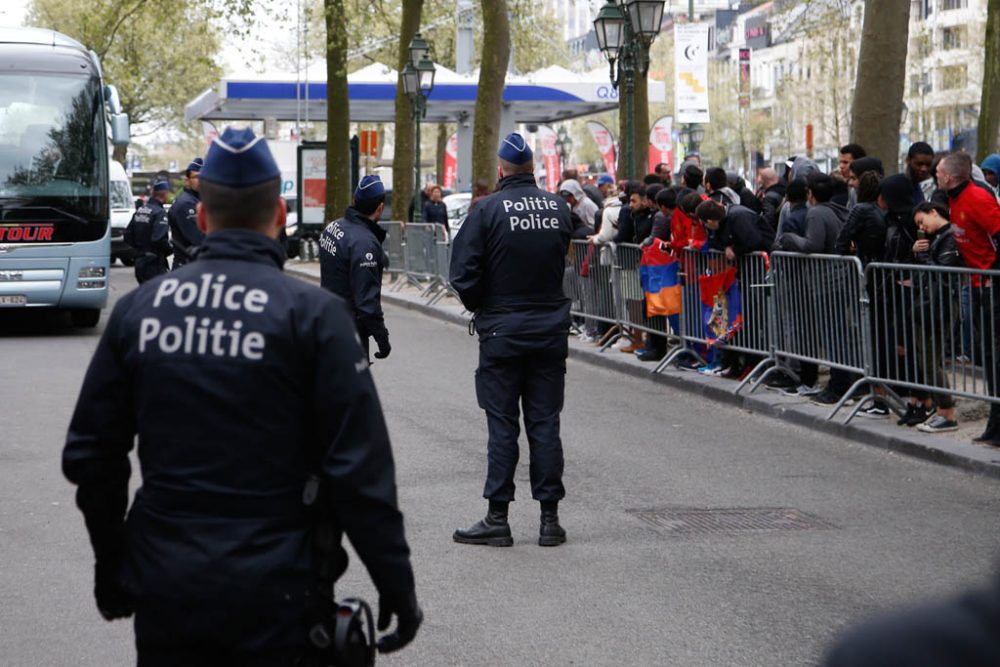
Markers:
(691, 72)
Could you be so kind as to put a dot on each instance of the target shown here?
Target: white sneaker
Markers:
(588, 339)
(801, 390)
(622, 342)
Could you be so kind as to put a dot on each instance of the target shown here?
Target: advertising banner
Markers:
(661, 143)
(450, 163)
(312, 175)
(546, 138)
(744, 78)
(606, 144)
(691, 72)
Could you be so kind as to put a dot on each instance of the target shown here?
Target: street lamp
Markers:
(564, 145)
(418, 82)
(625, 30)
(697, 133)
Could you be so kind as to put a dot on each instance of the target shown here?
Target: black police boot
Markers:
(492, 530)
(992, 433)
(550, 533)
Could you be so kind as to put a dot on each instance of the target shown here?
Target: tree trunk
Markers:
(881, 78)
(442, 148)
(404, 149)
(338, 114)
(489, 96)
(989, 108)
(119, 155)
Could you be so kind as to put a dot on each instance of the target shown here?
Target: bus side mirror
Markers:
(111, 97)
(119, 129)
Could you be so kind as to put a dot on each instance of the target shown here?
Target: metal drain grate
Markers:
(691, 521)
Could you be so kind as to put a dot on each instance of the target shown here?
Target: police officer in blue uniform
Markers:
(241, 383)
(507, 267)
(351, 262)
(149, 234)
(185, 237)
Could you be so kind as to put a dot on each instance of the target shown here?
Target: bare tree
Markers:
(989, 108)
(881, 79)
(338, 113)
(405, 149)
(489, 97)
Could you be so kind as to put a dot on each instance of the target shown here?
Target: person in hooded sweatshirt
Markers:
(824, 220)
(864, 231)
(991, 172)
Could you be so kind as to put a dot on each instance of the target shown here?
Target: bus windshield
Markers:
(53, 155)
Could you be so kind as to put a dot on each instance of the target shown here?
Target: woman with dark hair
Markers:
(864, 232)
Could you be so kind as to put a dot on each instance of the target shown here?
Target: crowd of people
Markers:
(940, 210)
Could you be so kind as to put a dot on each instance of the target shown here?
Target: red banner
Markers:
(546, 137)
(661, 144)
(606, 144)
(450, 163)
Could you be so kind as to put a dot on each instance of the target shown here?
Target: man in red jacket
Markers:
(975, 217)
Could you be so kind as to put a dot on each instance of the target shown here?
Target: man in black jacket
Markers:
(351, 261)
(185, 237)
(507, 266)
(772, 196)
(271, 388)
(149, 234)
(734, 229)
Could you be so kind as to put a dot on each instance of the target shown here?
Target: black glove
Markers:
(383, 346)
(408, 619)
(114, 600)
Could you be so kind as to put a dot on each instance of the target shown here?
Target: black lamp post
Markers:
(418, 82)
(564, 144)
(625, 30)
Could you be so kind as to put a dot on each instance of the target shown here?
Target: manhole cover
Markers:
(691, 521)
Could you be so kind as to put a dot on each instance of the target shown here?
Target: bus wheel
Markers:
(85, 318)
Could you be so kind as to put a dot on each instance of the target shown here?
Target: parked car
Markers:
(122, 209)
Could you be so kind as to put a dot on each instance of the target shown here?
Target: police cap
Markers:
(195, 164)
(514, 149)
(161, 186)
(369, 188)
(238, 159)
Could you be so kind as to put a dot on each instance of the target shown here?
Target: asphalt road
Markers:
(621, 591)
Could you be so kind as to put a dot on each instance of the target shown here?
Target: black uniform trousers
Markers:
(986, 319)
(528, 373)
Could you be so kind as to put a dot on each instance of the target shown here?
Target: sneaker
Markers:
(624, 341)
(877, 410)
(938, 424)
(733, 372)
(801, 391)
(709, 369)
(588, 339)
(963, 359)
(780, 382)
(826, 397)
(649, 354)
(689, 365)
(915, 414)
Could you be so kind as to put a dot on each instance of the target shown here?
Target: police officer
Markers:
(351, 261)
(185, 237)
(507, 267)
(270, 384)
(148, 234)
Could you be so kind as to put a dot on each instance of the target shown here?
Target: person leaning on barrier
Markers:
(351, 262)
(185, 237)
(975, 215)
(507, 267)
(824, 220)
(215, 559)
(772, 196)
(734, 229)
(933, 310)
(149, 235)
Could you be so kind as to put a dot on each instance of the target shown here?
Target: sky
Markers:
(12, 12)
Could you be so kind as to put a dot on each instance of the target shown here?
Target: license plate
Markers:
(13, 300)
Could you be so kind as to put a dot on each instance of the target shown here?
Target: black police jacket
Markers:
(508, 260)
(184, 232)
(240, 382)
(147, 231)
(351, 261)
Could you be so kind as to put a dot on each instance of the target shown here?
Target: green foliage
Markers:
(158, 53)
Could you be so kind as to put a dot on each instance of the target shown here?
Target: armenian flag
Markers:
(721, 306)
(659, 274)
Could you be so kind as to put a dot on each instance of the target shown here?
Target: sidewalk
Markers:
(953, 449)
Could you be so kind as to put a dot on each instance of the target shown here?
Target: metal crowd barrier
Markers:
(393, 245)
(591, 282)
(935, 330)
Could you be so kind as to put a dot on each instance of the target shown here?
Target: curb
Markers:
(954, 454)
